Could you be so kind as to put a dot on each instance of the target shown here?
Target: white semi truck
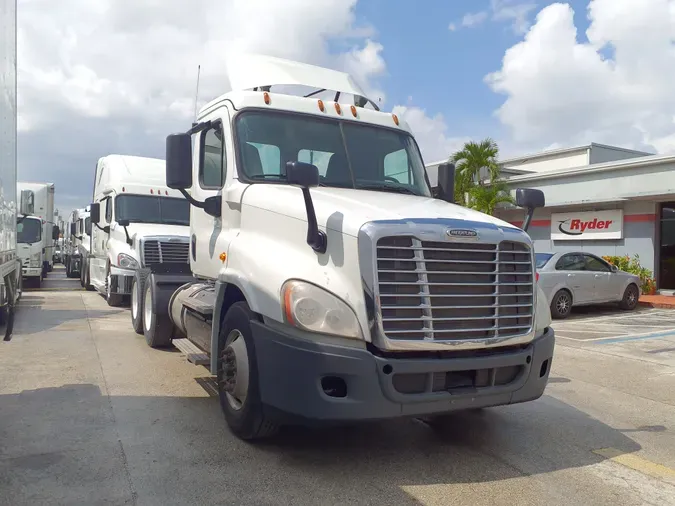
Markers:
(76, 236)
(139, 225)
(39, 199)
(10, 265)
(341, 290)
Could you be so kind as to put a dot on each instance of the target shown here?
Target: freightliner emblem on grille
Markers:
(461, 232)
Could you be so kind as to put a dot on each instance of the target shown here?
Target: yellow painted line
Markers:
(636, 463)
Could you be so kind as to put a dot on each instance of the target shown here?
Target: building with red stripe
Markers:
(600, 199)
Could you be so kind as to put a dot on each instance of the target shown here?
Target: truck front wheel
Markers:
(137, 296)
(158, 329)
(114, 299)
(238, 387)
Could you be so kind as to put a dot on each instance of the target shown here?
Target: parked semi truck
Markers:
(329, 285)
(139, 226)
(79, 243)
(39, 199)
(70, 261)
(10, 266)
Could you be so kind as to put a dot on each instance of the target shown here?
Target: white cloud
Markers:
(616, 88)
(120, 74)
(430, 132)
(474, 19)
(515, 12)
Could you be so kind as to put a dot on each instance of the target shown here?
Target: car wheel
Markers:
(238, 387)
(631, 297)
(561, 305)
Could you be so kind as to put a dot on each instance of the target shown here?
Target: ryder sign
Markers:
(588, 225)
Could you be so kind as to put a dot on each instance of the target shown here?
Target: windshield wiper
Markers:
(388, 187)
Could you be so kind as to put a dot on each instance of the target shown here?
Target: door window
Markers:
(108, 210)
(595, 264)
(571, 262)
(212, 162)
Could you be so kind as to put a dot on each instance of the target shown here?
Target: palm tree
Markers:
(470, 187)
(485, 198)
(469, 163)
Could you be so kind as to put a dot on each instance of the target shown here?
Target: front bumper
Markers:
(31, 272)
(121, 280)
(291, 371)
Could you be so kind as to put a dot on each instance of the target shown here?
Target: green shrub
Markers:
(632, 265)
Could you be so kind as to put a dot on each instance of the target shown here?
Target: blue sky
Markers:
(443, 70)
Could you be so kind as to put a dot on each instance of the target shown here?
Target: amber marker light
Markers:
(322, 107)
(266, 98)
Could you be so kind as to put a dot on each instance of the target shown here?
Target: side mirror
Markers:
(530, 199)
(123, 223)
(614, 268)
(73, 229)
(446, 182)
(27, 205)
(302, 174)
(306, 176)
(179, 161)
(95, 212)
(55, 233)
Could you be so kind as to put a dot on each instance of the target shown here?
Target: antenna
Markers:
(199, 71)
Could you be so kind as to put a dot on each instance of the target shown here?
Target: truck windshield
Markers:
(29, 230)
(348, 155)
(149, 209)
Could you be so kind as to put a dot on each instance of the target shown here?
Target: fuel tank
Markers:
(191, 311)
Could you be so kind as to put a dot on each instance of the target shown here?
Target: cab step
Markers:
(193, 354)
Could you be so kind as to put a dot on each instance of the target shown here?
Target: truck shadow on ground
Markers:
(33, 318)
(75, 445)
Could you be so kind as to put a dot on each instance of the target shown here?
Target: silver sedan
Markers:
(575, 278)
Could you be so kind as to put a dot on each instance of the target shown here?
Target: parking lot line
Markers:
(636, 463)
(635, 337)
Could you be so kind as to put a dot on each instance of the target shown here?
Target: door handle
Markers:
(570, 275)
(598, 275)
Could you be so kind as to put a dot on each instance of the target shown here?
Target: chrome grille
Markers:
(165, 252)
(454, 291)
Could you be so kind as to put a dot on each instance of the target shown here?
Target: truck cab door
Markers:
(99, 242)
(213, 168)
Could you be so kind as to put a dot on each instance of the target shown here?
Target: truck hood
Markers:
(148, 229)
(346, 210)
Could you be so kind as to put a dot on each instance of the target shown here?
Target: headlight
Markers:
(126, 262)
(35, 259)
(311, 308)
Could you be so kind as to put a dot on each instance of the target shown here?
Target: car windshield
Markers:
(148, 209)
(348, 155)
(29, 230)
(542, 259)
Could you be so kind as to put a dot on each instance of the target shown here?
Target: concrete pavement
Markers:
(89, 414)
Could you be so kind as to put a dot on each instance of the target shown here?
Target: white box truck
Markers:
(139, 226)
(10, 266)
(330, 285)
(39, 198)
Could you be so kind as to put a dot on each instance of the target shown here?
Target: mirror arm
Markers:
(129, 241)
(191, 200)
(528, 219)
(315, 238)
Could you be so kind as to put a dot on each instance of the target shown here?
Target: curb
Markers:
(657, 305)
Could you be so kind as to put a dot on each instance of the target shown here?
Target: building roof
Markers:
(565, 151)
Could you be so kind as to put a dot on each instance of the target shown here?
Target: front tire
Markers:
(158, 329)
(561, 305)
(238, 387)
(87, 278)
(631, 297)
(137, 297)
